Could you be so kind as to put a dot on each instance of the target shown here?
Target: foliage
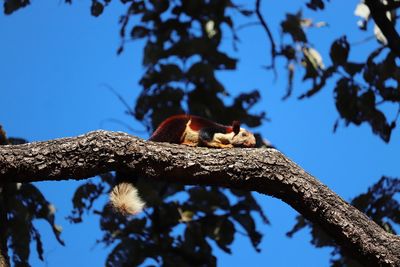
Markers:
(25, 204)
(181, 57)
(174, 230)
(361, 87)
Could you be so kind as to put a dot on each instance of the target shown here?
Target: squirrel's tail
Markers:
(125, 199)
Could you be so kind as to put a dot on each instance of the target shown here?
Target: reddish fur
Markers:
(198, 123)
(172, 129)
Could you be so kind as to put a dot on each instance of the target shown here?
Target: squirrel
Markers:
(186, 130)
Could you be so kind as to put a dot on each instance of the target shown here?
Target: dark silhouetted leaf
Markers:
(83, 199)
(13, 5)
(97, 8)
(353, 68)
(339, 52)
(139, 32)
(292, 26)
(247, 222)
(315, 4)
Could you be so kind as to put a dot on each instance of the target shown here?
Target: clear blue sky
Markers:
(54, 59)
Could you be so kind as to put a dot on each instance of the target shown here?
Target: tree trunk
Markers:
(266, 171)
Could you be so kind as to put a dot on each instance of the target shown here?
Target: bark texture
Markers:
(266, 171)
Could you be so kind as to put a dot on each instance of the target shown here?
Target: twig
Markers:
(271, 38)
(123, 101)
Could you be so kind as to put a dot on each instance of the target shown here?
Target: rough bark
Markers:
(266, 171)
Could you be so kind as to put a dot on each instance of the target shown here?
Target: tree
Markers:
(182, 55)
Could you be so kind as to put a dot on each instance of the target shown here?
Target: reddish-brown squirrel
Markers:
(187, 130)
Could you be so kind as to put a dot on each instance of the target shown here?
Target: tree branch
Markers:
(391, 6)
(266, 171)
(269, 33)
(378, 12)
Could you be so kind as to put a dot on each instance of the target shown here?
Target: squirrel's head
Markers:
(243, 138)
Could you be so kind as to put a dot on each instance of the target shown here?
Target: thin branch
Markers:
(121, 99)
(246, 25)
(266, 171)
(269, 33)
(363, 41)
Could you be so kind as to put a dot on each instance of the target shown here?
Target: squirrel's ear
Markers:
(236, 127)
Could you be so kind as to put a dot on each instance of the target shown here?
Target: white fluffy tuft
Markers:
(124, 198)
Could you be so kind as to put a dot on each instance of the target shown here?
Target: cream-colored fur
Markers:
(190, 137)
(124, 198)
(243, 139)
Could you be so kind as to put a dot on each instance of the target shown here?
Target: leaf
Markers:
(11, 6)
(245, 12)
(247, 222)
(210, 29)
(138, 32)
(246, 204)
(346, 100)
(221, 61)
(97, 8)
(39, 207)
(353, 68)
(160, 6)
(20, 225)
(317, 86)
(224, 234)
(301, 223)
(152, 53)
(316, 4)
(83, 200)
(363, 12)
(208, 199)
(128, 252)
(39, 244)
(161, 77)
(186, 216)
(314, 57)
(339, 51)
(292, 26)
(379, 35)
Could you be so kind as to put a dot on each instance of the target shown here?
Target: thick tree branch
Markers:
(266, 171)
(378, 12)
(391, 6)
